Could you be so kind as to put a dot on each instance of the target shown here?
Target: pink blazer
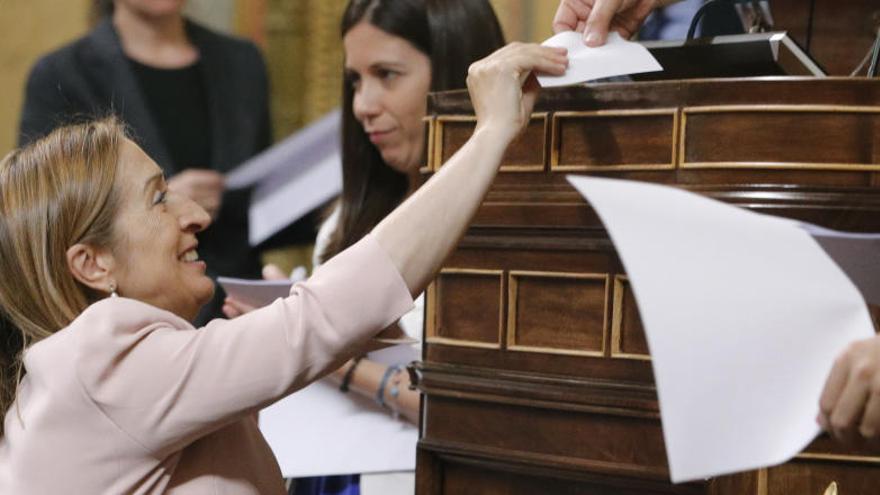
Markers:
(131, 399)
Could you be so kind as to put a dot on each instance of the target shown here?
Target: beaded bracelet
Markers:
(380, 393)
(346, 379)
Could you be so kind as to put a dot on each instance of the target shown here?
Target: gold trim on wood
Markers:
(839, 458)
(512, 288)
(429, 165)
(437, 144)
(555, 144)
(841, 167)
(617, 323)
(431, 336)
(762, 482)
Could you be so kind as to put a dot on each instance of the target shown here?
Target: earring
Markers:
(113, 290)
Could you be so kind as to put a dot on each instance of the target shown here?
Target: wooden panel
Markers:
(426, 164)
(812, 477)
(627, 333)
(562, 313)
(613, 140)
(465, 307)
(600, 443)
(526, 154)
(463, 479)
(780, 136)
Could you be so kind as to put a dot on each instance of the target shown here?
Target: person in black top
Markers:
(196, 100)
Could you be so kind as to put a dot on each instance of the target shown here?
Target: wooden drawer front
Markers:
(526, 154)
(600, 443)
(558, 312)
(811, 477)
(613, 140)
(627, 333)
(781, 137)
(466, 307)
(463, 479)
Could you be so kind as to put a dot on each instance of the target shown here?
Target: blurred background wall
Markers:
(299, 38)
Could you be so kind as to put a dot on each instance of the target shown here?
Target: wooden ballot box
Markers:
(536, 374)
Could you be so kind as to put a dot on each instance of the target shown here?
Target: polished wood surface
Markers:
(843, 30)
(536, 374)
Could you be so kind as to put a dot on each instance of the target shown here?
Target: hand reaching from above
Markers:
(595, 18)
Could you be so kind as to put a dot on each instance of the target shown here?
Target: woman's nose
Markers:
(193, 218)
(367, 102)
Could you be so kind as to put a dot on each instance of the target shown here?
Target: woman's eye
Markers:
(388, 75)
(160, 197)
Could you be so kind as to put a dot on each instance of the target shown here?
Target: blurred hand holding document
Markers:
(744, 315)
(617, 57)
(291, 178)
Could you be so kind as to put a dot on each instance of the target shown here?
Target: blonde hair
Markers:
(54, 193)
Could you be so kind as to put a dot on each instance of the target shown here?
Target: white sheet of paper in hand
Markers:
(617, 57)
(255, 292)
(744, 315)
(319, 430)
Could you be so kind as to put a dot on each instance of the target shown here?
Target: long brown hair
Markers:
(54, 193)
(453, 34)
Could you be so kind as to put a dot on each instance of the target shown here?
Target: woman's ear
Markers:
(92, 267)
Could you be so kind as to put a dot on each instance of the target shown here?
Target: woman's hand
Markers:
(850, 403)
(502, 89)
(232, 307)
(596, 17)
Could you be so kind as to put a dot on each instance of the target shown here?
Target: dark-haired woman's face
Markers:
(391, 79)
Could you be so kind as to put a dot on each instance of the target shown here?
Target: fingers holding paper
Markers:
(850, 402)
(595, 18)
(502, 88)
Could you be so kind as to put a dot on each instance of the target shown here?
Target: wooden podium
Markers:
(536, 375)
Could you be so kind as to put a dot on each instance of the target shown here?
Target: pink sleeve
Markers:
(166, 385)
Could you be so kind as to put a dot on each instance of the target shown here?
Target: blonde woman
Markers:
(116, 391)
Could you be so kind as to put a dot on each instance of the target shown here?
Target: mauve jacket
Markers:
(132, 399)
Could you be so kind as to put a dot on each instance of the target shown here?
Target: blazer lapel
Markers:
(112, 73)
(221, 112)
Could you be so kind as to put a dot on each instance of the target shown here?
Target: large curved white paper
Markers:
(744, 314)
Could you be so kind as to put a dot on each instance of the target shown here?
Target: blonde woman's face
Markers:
(155, 257)
(391, 79)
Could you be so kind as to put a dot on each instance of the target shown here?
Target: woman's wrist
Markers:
(495, 134)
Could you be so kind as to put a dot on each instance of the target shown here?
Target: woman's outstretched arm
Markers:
(421, 232)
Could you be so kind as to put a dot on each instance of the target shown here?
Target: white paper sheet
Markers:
(292, 178)
(744, 315)
(617, 57)
(319, 430)
(255, 292)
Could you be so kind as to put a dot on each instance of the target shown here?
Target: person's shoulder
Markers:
(61, 57)
(73, 58)
(122, 318)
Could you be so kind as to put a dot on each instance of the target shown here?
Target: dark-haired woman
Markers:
(396, 51)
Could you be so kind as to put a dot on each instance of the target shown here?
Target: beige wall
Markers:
(29, 29)
(526, 20)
